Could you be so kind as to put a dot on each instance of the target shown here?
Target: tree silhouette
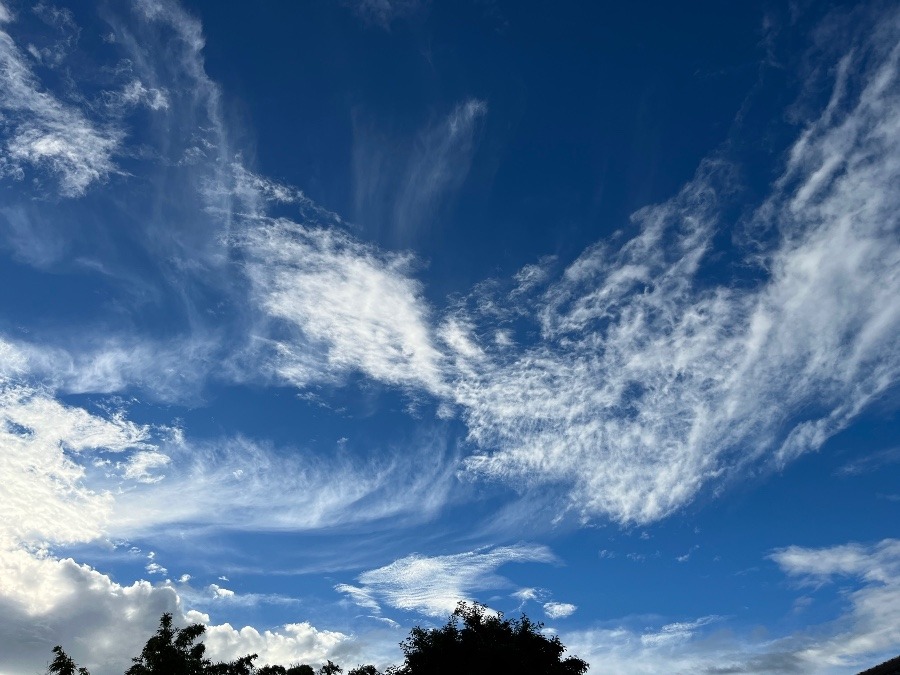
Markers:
(175, 651)
(171, 651)
(473, 641)
(63, 665)
(476, 642)
(301, 669)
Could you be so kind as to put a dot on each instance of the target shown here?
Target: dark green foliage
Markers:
(330, 668)
(478, 643)
(364, 670)
(63, 665)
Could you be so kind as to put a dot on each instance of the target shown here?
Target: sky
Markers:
(317, 318)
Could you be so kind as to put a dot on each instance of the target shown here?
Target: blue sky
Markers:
(317, 318)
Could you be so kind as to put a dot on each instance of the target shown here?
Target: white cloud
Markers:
(103, 364)
(559, 610)
(674, 632)
(347, 491)
(155, 568)
(43, 494)
(439, 165)
(219, 592)
(142, 466)
(136, 93)
(402, 183)
(102, 624)
(44, 132)
(293, 643)
(351, 307)
(866, 631)
(872, 624)
(434, 585)
(650, 382)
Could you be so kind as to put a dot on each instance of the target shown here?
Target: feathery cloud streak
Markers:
(649, 382)
(45, 133)
(434, 585)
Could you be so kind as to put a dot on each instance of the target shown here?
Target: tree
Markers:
(364, 670)
(301, 669)
(476, 642)
(63, 665)
(172, 651)
(330, 668)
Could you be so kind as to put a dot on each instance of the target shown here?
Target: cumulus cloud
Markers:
(48, 601)
(559, 610)
(293, 643)
(433, 585)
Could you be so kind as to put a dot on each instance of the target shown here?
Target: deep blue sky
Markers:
(317, 318)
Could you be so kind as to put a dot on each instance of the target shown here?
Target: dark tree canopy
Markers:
(473, 642)
(364, 670)
(171, 651)
(302, 669)
(476, 642)
(63, 665)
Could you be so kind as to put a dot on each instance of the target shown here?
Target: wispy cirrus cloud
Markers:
(433, 585)
(47, 134)
(346, 306)
(402, 184)
(347, 491)
(650, 382)
(871, 462)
